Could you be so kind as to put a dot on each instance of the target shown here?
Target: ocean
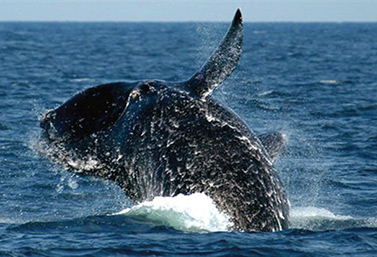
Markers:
(315, 82)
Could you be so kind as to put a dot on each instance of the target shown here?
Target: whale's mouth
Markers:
(90, 111)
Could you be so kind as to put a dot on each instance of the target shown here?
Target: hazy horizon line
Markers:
(186, 21)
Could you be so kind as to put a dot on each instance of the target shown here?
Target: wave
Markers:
(198, 213)
(191, 213)
(194, 213)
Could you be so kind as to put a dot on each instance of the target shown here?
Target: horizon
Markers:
(188, 11)
(225, 22)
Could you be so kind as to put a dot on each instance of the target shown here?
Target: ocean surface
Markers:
(314, 82)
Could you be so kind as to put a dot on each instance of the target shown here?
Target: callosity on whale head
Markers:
(157, 138)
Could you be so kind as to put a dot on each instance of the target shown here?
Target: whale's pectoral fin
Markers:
(222, 62)
(274, 143)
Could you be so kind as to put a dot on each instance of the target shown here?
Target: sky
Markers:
(181, 11)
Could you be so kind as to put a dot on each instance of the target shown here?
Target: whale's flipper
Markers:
(274, 143)
(222, 62)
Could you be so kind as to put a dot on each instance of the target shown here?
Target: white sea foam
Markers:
(82, 79)
(259, 32)
(7, 221)
(329, 82)
(313, 212)
(321, 219)
(196, 212)
(264, 93)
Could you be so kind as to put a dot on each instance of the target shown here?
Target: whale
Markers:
(160, 138)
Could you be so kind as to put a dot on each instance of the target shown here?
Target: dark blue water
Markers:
(315, 82)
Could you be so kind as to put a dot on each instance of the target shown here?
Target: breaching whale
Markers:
(158, 138)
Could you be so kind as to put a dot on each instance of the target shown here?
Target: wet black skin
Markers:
(157, 138)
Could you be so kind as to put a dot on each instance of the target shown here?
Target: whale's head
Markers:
(90, 130)
(88, 112)
(97, 109)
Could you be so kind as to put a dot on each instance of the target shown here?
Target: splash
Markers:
(319, 219)
(191, 213)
